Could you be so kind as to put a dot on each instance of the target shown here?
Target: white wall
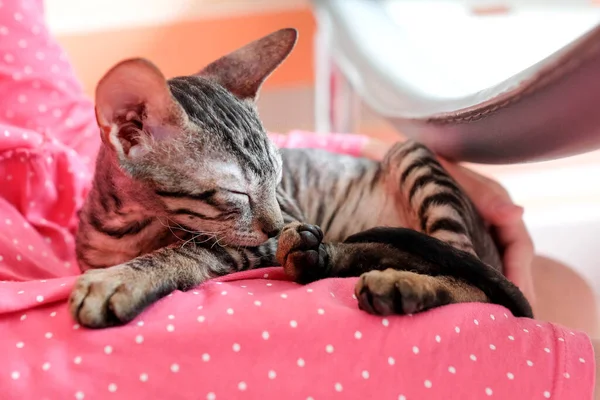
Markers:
(81, 16)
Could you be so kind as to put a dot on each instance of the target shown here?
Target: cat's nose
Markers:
(269, 219)
(272, 225)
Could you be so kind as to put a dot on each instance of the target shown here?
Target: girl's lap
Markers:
(255, 334)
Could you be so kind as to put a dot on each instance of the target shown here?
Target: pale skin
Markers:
(556, 292)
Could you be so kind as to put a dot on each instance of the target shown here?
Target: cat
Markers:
(188, 187)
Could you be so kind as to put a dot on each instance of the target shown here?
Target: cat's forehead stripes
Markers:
(226, 122)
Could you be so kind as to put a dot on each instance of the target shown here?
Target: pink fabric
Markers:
(335, 142)
(258, 336)
(251, 335)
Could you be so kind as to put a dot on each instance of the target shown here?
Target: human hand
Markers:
(498, 210)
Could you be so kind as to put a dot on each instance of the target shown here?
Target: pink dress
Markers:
(251, 335)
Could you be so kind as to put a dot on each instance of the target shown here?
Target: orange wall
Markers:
(185, 47)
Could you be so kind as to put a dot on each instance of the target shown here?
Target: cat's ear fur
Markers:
(134, 107)
(243, 71)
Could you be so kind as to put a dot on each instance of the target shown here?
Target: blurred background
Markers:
(561, 197)
(181, 36)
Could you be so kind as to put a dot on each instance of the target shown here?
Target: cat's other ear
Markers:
(134, 107)
(243, 71)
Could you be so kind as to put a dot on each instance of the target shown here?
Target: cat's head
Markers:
(197, 141)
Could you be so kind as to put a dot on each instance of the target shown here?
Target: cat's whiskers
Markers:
(212, 236)
(170, 228)
(196, 234)
(178, 227)
(217, 242)
(192, 239)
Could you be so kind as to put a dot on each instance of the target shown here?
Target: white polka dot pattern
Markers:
(263, 347)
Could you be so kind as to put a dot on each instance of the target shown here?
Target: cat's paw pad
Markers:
(396, 292)
(106, 297)
(300, 250)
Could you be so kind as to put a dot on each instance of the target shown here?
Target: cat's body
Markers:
(188, 187)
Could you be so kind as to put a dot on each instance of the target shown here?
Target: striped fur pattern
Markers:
(189, 187)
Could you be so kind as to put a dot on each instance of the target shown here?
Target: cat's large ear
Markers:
(134, 107)
(243, 71)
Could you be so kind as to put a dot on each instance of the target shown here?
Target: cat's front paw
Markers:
(301, 252)
(107, 297)
(397, 292)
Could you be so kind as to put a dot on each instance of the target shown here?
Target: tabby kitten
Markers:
(188, 187)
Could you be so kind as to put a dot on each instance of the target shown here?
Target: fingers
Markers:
(518, 256)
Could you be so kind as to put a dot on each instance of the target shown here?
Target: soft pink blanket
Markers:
(251, 335)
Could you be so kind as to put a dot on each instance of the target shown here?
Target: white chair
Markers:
(518, 86)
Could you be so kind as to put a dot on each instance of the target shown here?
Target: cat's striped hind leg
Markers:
(432, 203)
(436, 205)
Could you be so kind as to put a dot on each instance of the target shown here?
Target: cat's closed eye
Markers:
(225, 200)
(204, 195)
(236, 192)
